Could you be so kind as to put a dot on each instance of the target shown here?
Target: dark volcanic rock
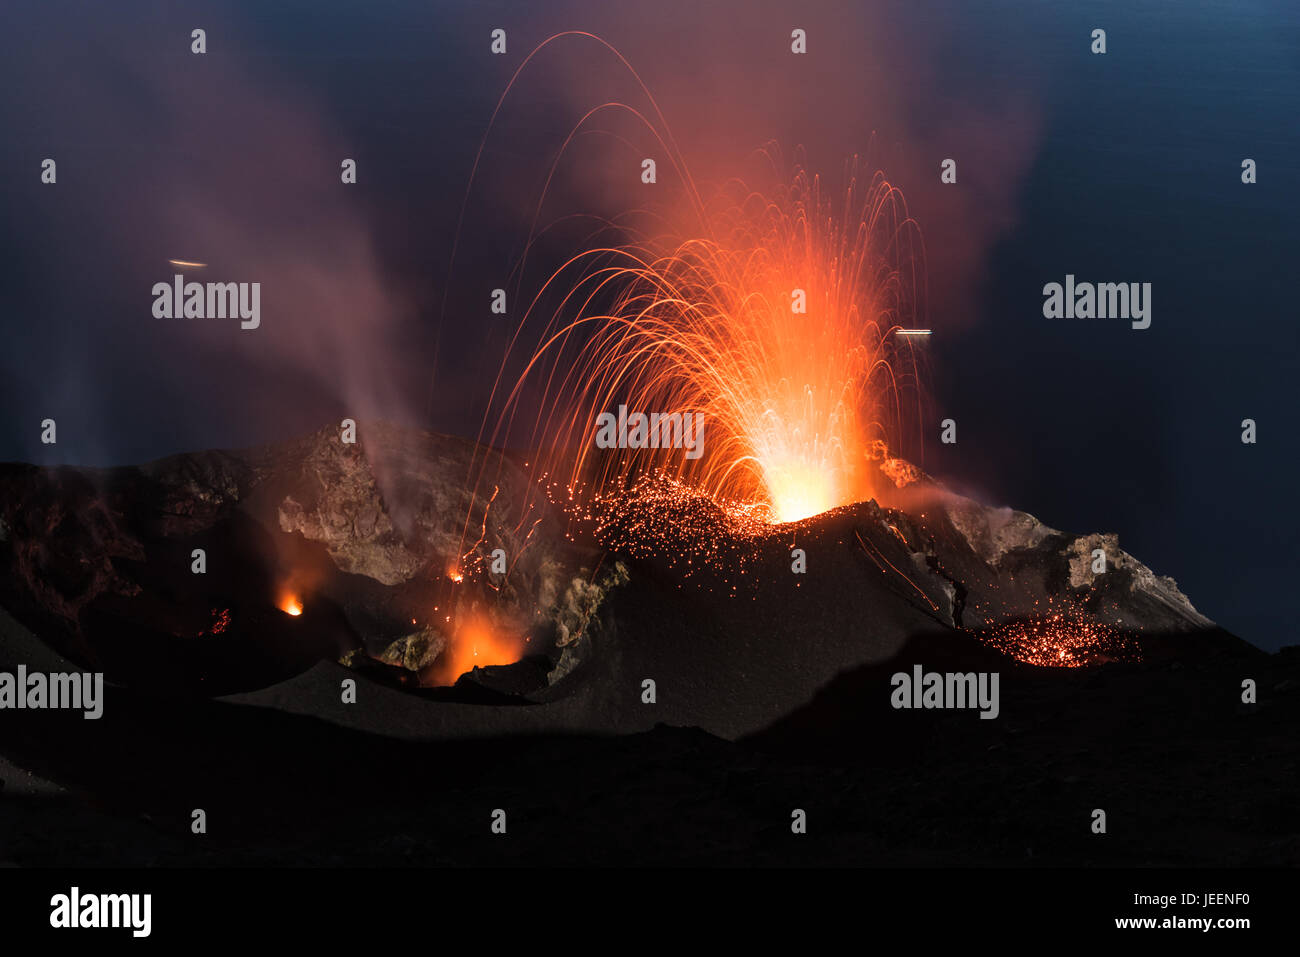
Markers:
(365, 535)
(370, 528)
(1187, 778)
(771, 690)
(1005, 564)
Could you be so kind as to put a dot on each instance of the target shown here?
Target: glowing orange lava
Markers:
(771, 312)
(774, 323)
(1062, 640)
(474, 645)
(291, 605)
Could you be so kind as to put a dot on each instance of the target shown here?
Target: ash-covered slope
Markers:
(99, 564)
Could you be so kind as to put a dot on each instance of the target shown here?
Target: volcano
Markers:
(661, 697)
(320, 556)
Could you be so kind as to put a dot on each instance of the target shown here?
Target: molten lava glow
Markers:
(798, 490)
(766, 310)
(475, 644)
(1062, 640)
(220, 622)
(291, 605)
(771, 316)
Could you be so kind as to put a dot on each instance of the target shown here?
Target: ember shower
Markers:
(770, 313)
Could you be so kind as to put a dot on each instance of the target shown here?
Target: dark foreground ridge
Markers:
(1187, 775)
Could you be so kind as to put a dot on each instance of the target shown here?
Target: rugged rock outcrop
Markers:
(364, 535)
(1005, 564)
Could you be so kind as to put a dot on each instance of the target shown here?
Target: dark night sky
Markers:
(1123, 167)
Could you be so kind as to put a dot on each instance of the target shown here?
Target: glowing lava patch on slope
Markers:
(1060, 640)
